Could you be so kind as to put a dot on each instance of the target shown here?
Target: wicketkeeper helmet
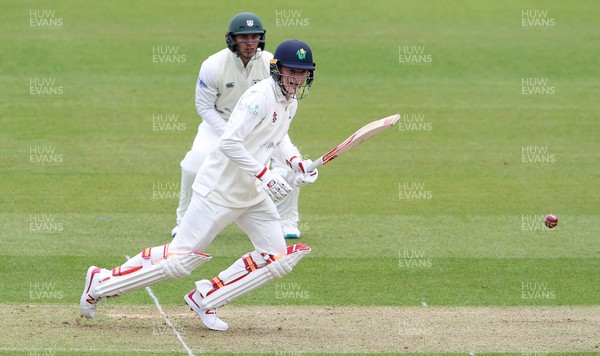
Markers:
(245, 23)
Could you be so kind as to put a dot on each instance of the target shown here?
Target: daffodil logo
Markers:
(301, 53)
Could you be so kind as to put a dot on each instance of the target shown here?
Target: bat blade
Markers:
(364, 133)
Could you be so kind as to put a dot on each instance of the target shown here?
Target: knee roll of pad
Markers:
(182, 265)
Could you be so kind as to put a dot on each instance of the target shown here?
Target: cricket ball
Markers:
(551, 221)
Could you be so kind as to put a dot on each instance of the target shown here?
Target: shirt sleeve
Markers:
(287, 150)
(206, 96)
(248, 113)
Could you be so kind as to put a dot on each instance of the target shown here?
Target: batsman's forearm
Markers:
(287, 149)
(236, 152)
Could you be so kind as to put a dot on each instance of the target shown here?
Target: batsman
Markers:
(222, 80)
(234, 184)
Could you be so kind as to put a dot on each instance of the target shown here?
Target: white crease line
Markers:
(80, 350)
(166, 318)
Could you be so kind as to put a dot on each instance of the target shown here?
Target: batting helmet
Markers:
(245, 23)
(293, 54)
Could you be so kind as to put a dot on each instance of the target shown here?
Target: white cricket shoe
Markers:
(208, 317)
(88, 299)
(290, 231)
(174, 231)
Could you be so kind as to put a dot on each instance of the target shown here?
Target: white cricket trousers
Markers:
(206, 141)
(204, 219)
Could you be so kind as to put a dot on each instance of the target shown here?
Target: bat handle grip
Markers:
(311, 167)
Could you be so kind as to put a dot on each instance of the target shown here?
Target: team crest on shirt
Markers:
(252, 109)
(274, 117)
(229, 85)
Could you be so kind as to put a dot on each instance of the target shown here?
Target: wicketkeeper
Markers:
(223, 78)
(233, 185)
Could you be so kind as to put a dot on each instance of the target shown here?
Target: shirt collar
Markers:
(278, 94)
(239, 64)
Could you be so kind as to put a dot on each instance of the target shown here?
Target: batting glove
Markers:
(274, 185)
(302, 179)
(298, 165)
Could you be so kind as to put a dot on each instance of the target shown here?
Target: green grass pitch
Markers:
(499, 105)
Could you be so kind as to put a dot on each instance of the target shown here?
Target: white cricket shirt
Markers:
(222, 81)
(258, 126)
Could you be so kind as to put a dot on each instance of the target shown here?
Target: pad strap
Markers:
(249, 263)
(118, 272)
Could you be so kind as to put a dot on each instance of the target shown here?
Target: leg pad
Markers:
(274, 270)
(172, 268)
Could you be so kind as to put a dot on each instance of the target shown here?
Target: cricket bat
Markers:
(369, 130)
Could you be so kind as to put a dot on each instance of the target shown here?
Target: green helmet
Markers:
(245, 23)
